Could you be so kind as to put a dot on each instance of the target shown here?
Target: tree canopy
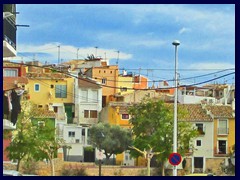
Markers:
(152, 123)
(112, 139)
(32, 140)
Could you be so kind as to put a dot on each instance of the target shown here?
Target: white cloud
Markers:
(148, 43)
(184, 30)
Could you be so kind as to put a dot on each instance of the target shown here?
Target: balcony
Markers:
(9, 38)
(221, 152)
(8, 124)
(88, 120)
(223, 131)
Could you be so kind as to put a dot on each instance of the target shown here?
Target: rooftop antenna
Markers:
(77, 52)
(96, 51)
(117, 57)
(58, 54)
(105, 56)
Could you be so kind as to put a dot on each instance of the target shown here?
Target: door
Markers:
(69, 112)
(222, 147)
(198, 164)
(89, 154)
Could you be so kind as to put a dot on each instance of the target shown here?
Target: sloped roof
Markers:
(193, 112)
(9, 82)
(86, 82)
(47, 75)
(43, 113)
(220, 111)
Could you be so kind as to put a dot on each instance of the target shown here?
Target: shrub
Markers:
(73, 171)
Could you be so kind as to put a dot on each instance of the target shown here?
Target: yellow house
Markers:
(52, 91)
(224, 129)
(125, 84)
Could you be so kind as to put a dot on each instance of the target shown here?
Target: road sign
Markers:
(100, 155)
(175, 159)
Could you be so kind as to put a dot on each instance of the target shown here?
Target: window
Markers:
(55, 109)
(93, 114)
(86, 114)
(198, 162)
(61, 91)
(10, 73)
(36, 87)
(104, 81)
(123, 89)
(200, 128)
(40, 106)
(94, 96)
(71, 134)
(125, 116)
(222, 126)
(41, 123)
(222, 146)
(77, 140)
(84, 96)
(199, 143)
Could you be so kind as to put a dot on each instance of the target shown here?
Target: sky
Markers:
(136, 36)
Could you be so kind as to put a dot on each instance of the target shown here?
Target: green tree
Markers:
(152, 123)
(112, 139)
(22, 143)
(33, 140)
(46, 142)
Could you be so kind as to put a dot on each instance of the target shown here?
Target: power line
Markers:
(68, 74)
(168, 69)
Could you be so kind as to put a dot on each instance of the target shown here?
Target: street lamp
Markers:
(175, 43)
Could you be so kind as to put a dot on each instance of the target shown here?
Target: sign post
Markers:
(175, 159)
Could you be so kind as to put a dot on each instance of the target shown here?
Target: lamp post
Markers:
(175, 43)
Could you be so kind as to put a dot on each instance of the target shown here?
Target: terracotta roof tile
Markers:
(220, 111)
(191, 112)
(9, 82)
(43, 113)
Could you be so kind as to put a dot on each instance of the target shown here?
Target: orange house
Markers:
(140, 82)
(108, 77)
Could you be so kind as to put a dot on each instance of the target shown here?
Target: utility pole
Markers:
(175, 43)
(117, 57)
(105, 56)
(58, 54)
(77, 52)
(96, 51)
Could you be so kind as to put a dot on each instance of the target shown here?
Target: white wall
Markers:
(206, 149)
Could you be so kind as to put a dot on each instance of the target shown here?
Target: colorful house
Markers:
(108, 77)
(199, 157)
(224, 129)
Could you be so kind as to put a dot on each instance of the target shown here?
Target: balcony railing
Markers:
(221, 151)
(223, 131)
(9, 32)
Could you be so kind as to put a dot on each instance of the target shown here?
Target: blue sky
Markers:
(142, 33)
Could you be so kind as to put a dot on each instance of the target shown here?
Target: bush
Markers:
(73, 171)
(29, 167)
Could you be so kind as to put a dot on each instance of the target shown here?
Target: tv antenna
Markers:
(117, 57)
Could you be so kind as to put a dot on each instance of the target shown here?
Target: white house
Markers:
(204, 142)
(88, 104)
